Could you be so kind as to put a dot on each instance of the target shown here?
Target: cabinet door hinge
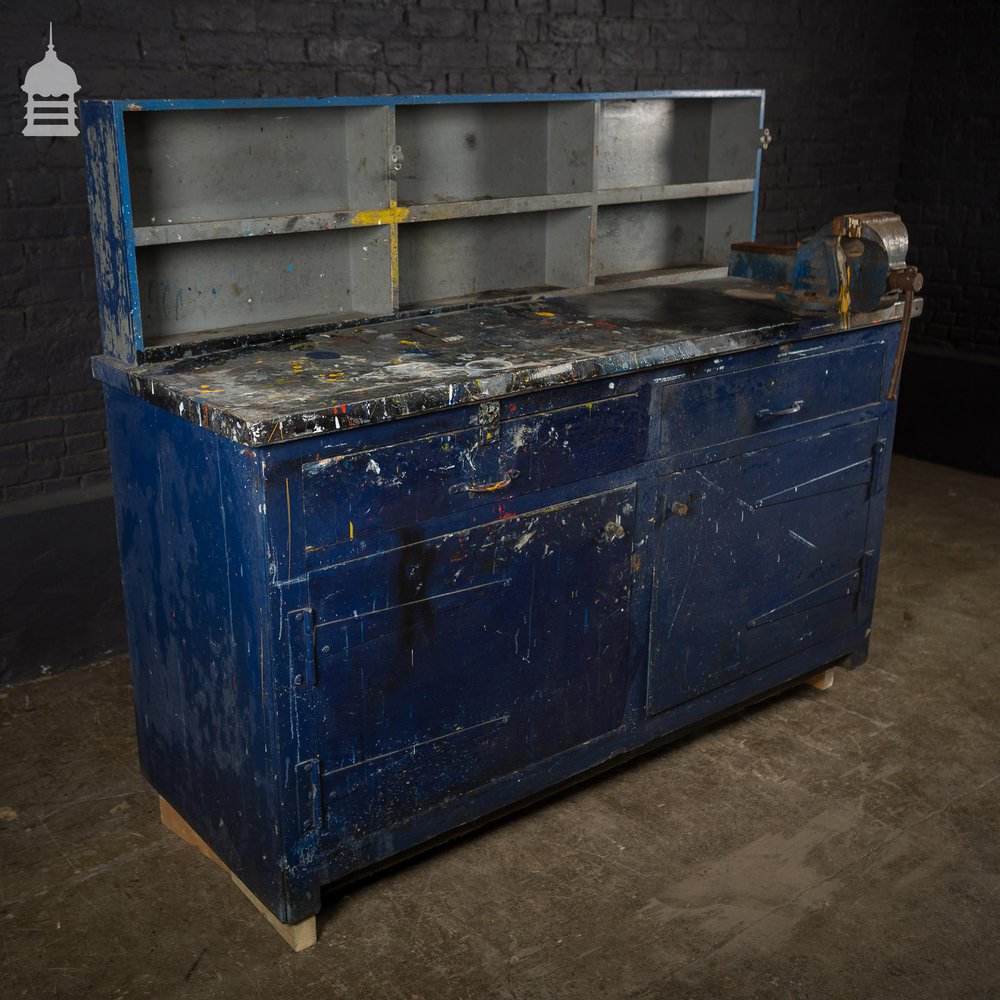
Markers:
(867, 587)
(302, 647)
(878, 460)
(308, 776)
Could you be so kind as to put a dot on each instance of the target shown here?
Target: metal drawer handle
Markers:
(787, 412)
(512, 474)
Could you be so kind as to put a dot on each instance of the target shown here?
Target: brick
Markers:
(14, 455)
(76, 465)
(440, 23)
(9, 493)
(48, 448)
(30, 472)
(80, 443)
(578, 30)
(31, 430)
(342, 51)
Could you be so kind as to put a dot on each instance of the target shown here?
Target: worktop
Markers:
(357, 375)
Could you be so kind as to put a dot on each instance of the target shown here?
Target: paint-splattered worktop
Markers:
(349, 377)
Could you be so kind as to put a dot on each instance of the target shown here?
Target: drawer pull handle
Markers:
(786, 412)
(512, 474)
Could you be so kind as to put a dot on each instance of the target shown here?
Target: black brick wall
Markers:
(837, 77)
(949, 187)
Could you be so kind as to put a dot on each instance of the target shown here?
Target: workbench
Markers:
(449, 463)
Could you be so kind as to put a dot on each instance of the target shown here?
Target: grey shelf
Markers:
(493, 199)
(499, 255)
(193, 291)
(468, 152)
(239, 163)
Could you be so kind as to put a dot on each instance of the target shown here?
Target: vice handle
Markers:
(786, 412)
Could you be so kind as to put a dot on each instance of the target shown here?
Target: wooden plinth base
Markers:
(822, 681)
(298, 936)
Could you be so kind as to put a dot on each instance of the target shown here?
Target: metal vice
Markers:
(856, 264)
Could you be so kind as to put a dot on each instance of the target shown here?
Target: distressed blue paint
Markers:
(365, 614)
(425, 701)
(111, 228)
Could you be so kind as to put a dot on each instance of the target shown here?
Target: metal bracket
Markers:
(302, 647)
(395, 160)
(308, 775)
(765, 138)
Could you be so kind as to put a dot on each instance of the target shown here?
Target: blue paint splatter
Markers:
(290, 267)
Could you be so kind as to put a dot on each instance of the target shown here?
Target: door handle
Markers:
(786, 412)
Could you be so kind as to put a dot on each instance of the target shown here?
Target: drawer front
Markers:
(789, 391)
(367, 492)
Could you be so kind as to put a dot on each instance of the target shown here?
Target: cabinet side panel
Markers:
(190, 535)
(110, 229)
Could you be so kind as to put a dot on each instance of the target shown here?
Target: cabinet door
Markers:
(449, 661)
(758, 557)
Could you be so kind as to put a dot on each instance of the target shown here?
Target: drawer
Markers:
(367, 492)
(791, 390)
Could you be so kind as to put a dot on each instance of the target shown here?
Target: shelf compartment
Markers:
(190, 292)
(468, 152)
(653, 238)
(639, 237)
(237, 164)
(473, 259)
(644, 143)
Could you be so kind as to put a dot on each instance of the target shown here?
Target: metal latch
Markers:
(489, 422)
(765, 138)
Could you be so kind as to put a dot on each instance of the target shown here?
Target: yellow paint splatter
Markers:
(546, 315)
(410, 343)
(380, 216)
(351, 525)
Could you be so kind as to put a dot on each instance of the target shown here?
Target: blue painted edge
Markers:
(160, 104)
(126, 199)
(103, 169)
(756, 176)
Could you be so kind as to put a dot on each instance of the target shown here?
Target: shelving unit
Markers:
(375, 205)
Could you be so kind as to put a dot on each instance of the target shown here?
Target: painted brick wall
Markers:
(837, 76)
(949, 188)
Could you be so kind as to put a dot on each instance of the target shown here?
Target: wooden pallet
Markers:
(298, 936)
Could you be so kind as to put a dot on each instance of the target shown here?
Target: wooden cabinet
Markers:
(389, 573)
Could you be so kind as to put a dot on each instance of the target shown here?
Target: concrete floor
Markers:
(844, 844)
